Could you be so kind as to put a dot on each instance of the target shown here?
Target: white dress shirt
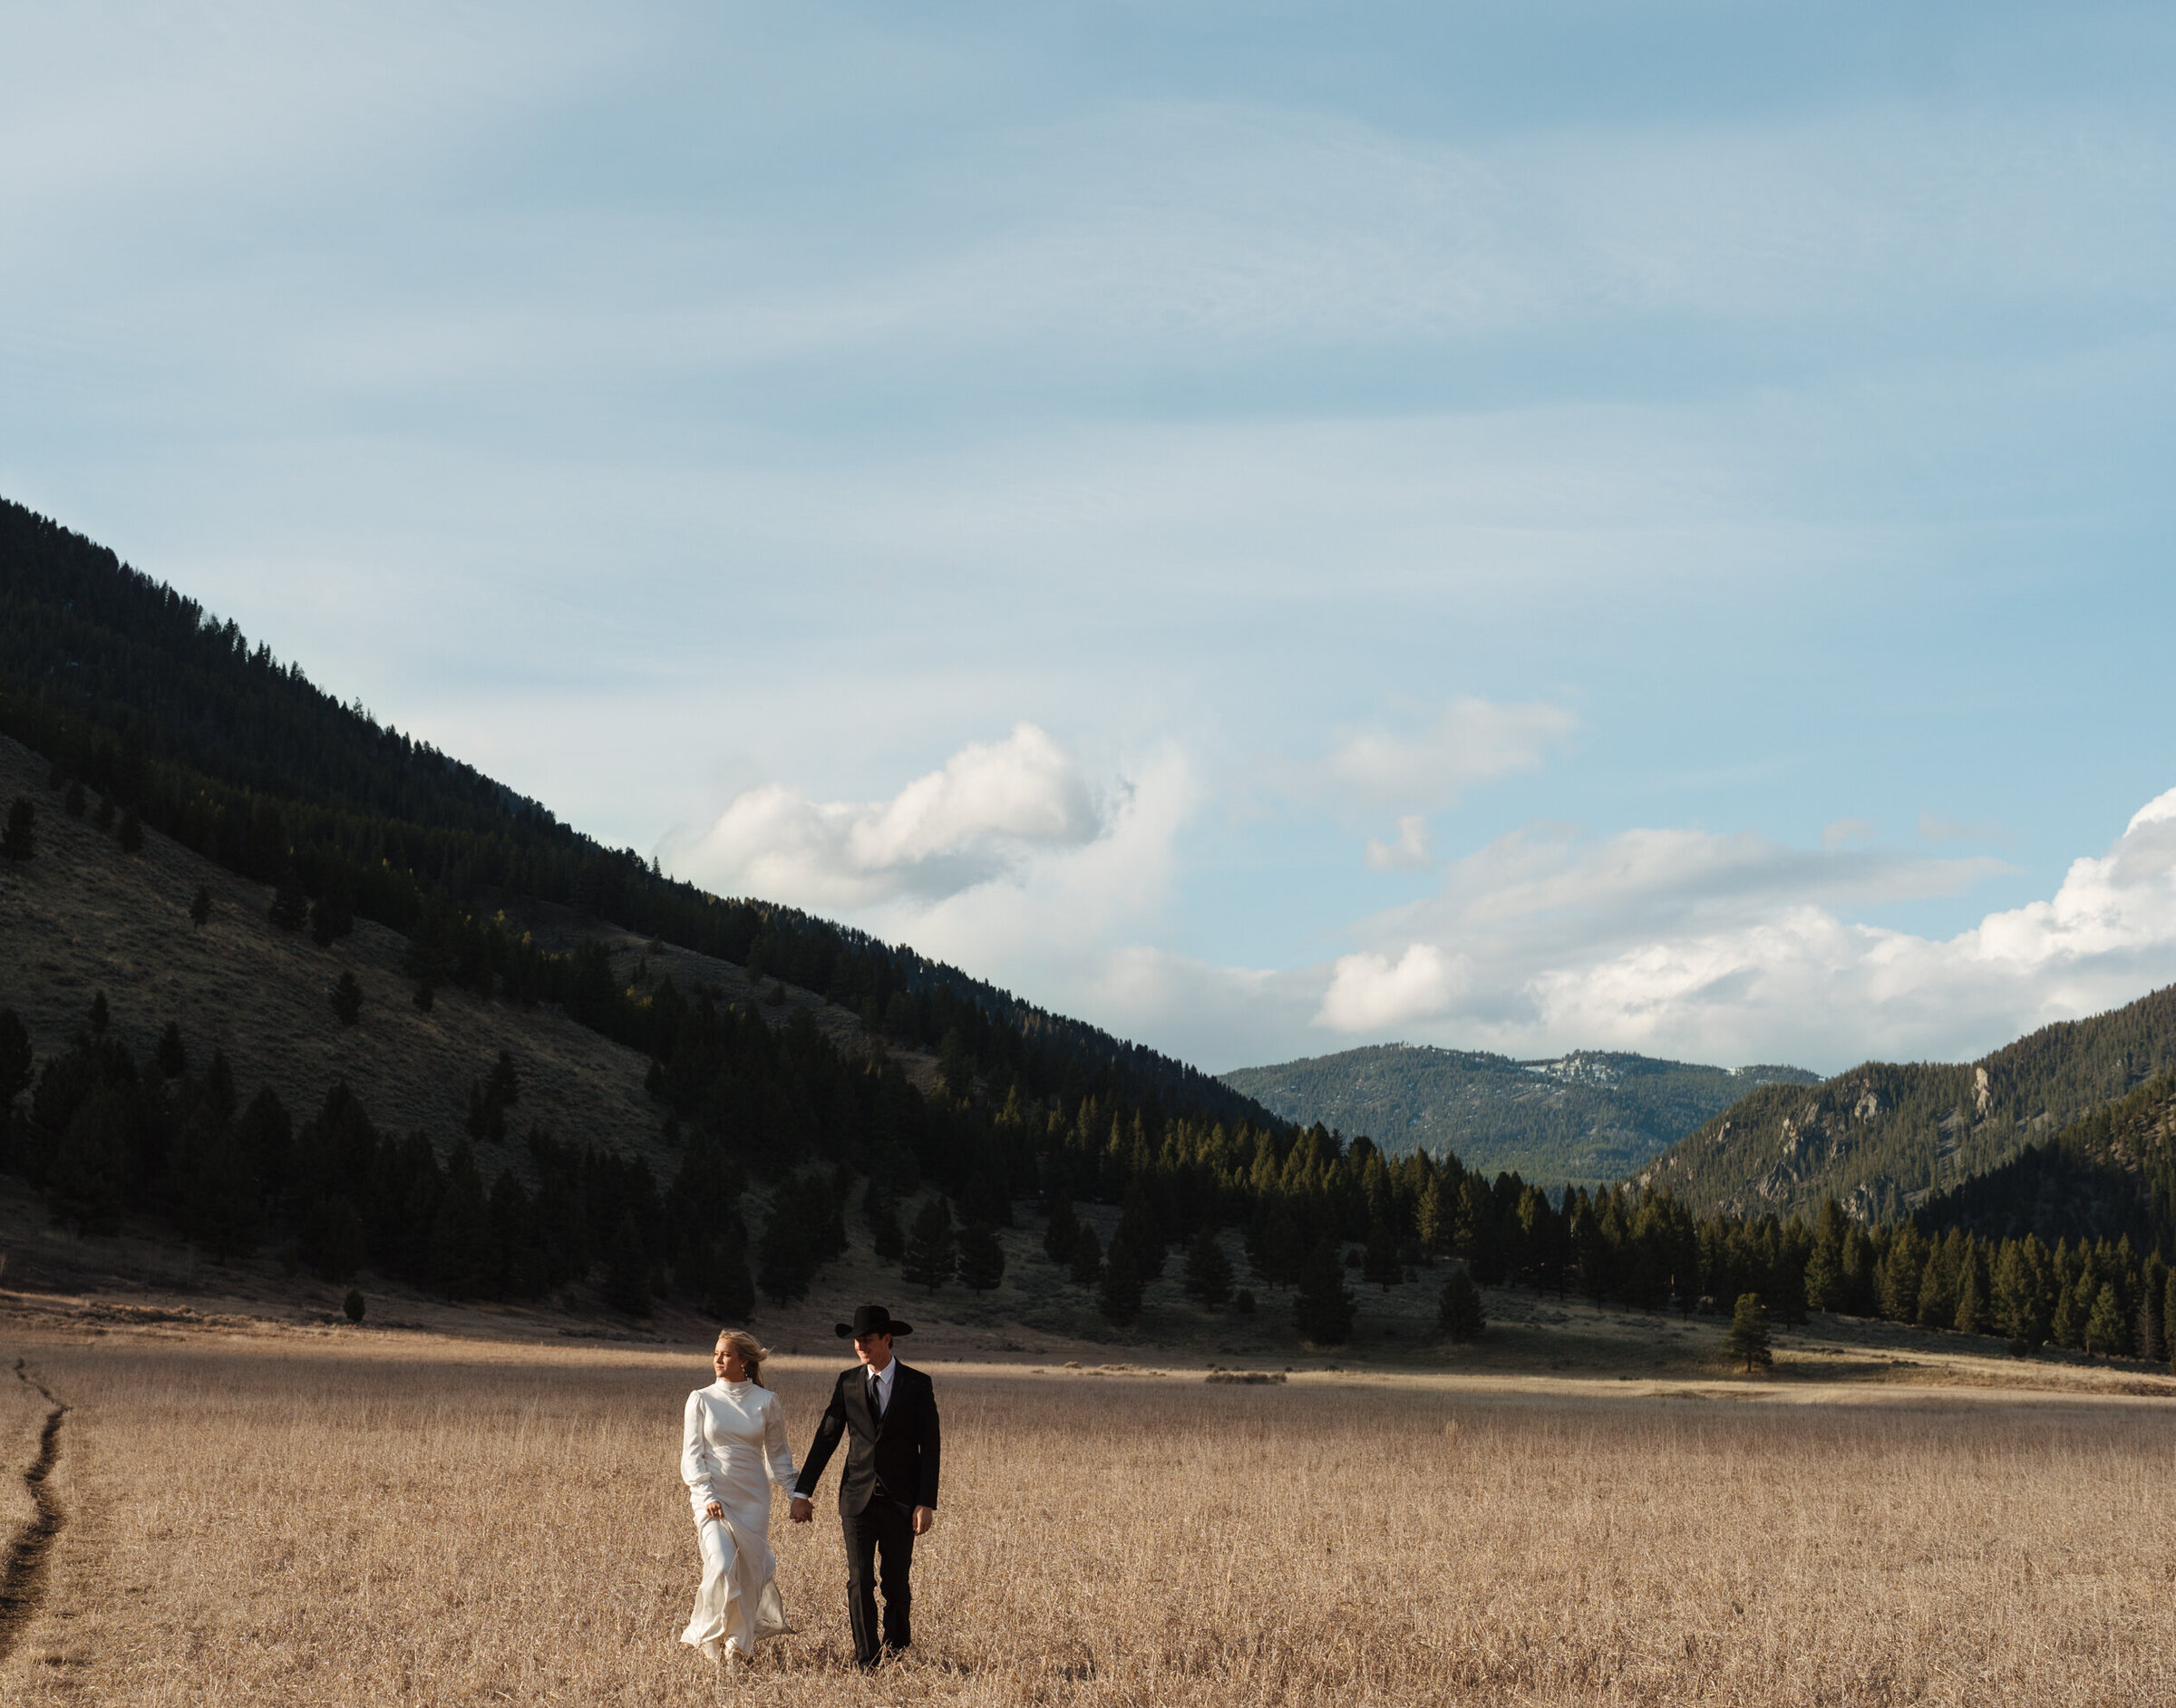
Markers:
(878, 1384)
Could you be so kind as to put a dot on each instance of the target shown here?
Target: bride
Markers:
(732, 1447)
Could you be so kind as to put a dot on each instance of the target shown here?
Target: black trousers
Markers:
(883, 1529)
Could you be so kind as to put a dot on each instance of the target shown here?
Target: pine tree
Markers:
(981, 1257)
(2067, 1328)
(291, 908)
(1748, 1336)
(200, 907)
(1824, 1277)
(1323, 1307)
(2106, 1332)
(1458, 1315)
(1380, 1263)
(627, 1269)
(1137, 1229)
(1242, 1301)
(1281, 1252)
(728, 1291)
(220, 1194)
(353, 1305)
(16, 1058)
(1063, 1232)
(789, 1249)
(101, 1016)
(172, 1054)
(89, 1171)
(1208, 1269)
(331, 915)
(1119, 1296)
(331, 1238)
(1087, 1263)
(887, 1239)
(1975, 1314)
(18, 843)
(347, 998)
(1432, 1218)
(932, 1254)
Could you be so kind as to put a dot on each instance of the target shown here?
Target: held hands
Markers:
(925, 1519)
(800, 1511)
(713, 1510)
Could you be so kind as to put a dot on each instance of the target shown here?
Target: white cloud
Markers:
(1736, 948)
(971, 821)
(1408, 853)
(1843, 830)
(1369, 992)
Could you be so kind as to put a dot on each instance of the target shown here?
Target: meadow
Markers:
(379, 1517)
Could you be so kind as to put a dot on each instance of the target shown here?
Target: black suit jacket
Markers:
(900, 1453)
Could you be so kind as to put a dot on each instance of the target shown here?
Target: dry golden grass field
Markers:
(344, 1517)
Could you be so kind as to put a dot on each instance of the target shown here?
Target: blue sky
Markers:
(1268, 528)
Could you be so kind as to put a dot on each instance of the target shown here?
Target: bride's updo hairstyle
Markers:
(752, 1351)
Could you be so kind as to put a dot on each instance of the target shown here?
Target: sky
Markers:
(1265, 528)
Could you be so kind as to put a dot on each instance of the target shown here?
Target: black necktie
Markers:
(875, 1398)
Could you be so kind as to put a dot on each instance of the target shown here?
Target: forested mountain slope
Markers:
(2110, 1176)
(128, 685)
(1592, 1115)
(1884, 1136)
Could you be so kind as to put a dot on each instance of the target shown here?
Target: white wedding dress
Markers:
(733, 1448)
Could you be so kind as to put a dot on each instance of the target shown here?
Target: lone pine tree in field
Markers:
(200, 907)
(18, 841)
(1323, 1307)
(932, 1254)
(1458, 1315)
(347, 998)
(1748, 1337)
(1208, 1269)
(981, 1257)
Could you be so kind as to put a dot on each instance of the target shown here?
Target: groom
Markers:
(888, 1492)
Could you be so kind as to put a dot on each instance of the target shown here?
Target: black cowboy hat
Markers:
(873, 1319)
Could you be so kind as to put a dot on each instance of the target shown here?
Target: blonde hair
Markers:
(752, 1351)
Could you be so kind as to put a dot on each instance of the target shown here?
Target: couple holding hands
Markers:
(733, 1448)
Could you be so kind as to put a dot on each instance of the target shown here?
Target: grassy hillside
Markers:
(128, 686)
(1885, 1137)
(1592, 1115)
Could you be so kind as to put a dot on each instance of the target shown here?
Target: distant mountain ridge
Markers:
(1884, 1138)
(1592, 1115)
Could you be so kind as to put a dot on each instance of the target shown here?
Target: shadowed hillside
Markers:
(1592, 1115)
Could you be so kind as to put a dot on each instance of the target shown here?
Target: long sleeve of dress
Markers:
(774, 1444)
(699, 1467)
